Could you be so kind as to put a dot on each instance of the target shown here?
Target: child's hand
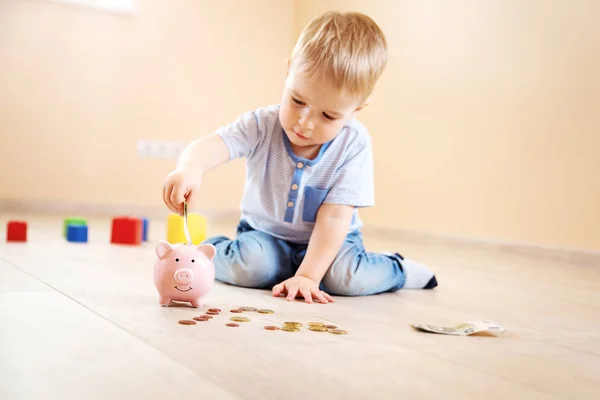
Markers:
(303, 286)
(180, 185)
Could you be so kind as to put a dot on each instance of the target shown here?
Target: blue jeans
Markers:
(256, 259)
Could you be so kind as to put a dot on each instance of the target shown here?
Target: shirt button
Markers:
(290, 204)
(300, 165)
(294, 187)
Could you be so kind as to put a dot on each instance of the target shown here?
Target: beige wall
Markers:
(485, 124)
(71, 77)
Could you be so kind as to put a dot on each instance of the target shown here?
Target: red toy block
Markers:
(126, 230)
(16, 231)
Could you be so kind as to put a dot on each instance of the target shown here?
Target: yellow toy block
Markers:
(196, 224)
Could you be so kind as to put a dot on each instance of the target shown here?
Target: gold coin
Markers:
(265, 311)
(317, 328)
(338, 331)
(247, 308)
(316, 324)
(240, 319)
(288, 328)
(293, 324)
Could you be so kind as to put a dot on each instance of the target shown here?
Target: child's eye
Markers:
(297, 101)
(329, 117)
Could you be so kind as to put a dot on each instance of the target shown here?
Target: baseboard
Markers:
(581, 257)
(575, 256)
(69, 208)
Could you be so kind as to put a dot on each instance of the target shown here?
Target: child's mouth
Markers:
(300, 136)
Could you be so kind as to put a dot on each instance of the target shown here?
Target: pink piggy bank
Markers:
(184, 272)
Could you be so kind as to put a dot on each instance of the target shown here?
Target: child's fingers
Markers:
(166, 194)
(328, 297)
(190, 197)
(277, 289)
(167, 197)
(292, 292)
(177, 198)
(306, 294)
(320, 296)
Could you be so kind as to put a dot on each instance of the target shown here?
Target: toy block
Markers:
(196, 224)
(16, 231)
(72, 221)
(144, 229)
(126, 230)
(77, 233)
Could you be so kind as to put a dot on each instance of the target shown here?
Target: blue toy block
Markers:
(77, 233)
(145, 229)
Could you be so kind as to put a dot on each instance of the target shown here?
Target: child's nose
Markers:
(305, 121)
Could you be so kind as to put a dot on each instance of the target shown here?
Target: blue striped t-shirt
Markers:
(283, 192)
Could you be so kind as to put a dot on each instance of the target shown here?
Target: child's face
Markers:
(313, 113)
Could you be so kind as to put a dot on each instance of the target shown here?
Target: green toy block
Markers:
(72, 221)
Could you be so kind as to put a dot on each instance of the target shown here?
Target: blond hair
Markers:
(347, 50)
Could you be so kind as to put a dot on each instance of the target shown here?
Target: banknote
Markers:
(463, 329)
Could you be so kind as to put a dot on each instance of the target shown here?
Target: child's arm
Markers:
(331, 228)
(199, 157)
(204, 154)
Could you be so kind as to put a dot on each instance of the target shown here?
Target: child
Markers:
(309, 168)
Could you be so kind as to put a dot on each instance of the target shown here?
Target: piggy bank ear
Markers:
(162, 248)
(208, 250)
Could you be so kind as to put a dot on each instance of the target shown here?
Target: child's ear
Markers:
(361, 107)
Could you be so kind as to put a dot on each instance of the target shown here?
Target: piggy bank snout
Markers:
(184, 276)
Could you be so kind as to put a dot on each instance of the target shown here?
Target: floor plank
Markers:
(11, 278)
(54, 348)
(550, 349)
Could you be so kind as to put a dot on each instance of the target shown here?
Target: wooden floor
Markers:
(82, 321)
